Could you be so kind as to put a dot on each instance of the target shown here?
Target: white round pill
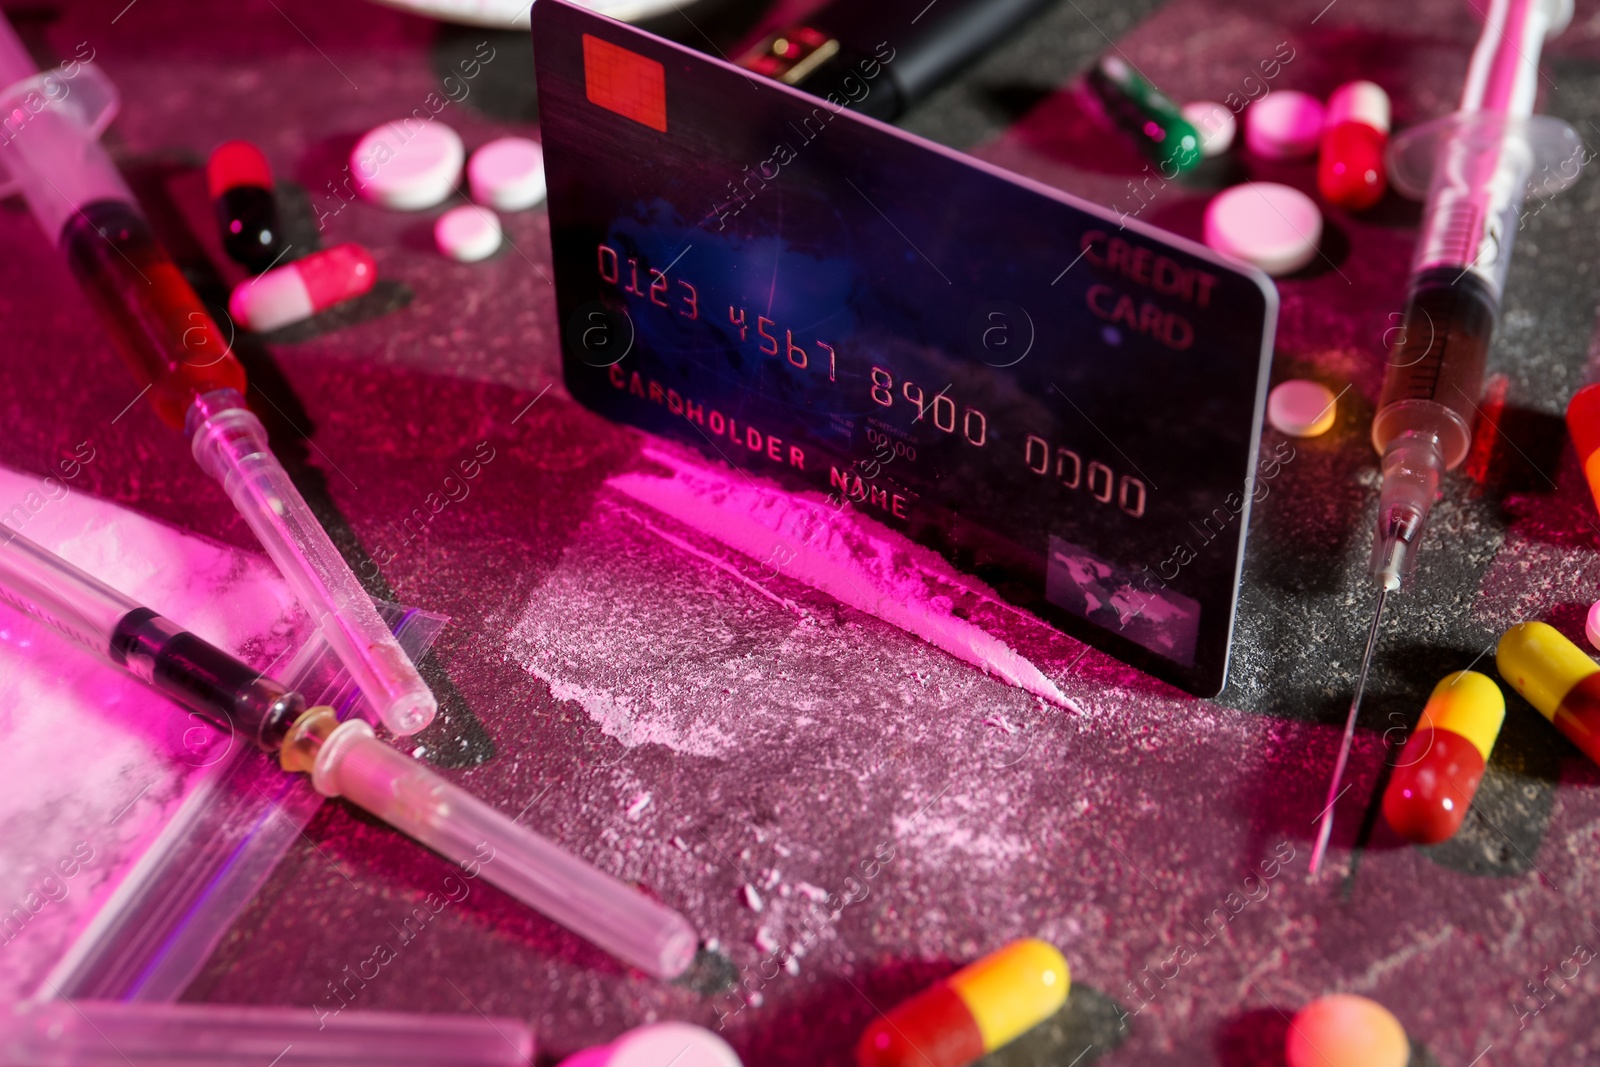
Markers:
(1215, 123)
(1265, 224)
(1302, 408)
(679, 1044)
(1283, 125)
(1591, 626)
(467, 233)
(507, 174)
(408, 165)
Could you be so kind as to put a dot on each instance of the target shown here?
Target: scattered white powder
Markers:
(934, 837)
(636, 809)
(623, 717)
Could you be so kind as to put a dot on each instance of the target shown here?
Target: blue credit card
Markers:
(1063, 403)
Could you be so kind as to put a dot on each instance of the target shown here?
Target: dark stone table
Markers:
(675, 727)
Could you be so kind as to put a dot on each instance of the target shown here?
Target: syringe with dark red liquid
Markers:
(1474, 167)
(343, 759)
(50, 153)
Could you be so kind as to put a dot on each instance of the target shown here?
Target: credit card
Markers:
(1064, 403)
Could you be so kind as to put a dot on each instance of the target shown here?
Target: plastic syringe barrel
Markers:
(48, 151)
(1481, 171)
(197, 674)
(410, 797)
(15, 62)
(42, 584)
(94, 1033)
(51, 154)
(230, 444)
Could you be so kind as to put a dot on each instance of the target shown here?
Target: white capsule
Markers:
(302, 288)
(270, 300)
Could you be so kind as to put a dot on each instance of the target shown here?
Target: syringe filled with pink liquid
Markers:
(50, 153)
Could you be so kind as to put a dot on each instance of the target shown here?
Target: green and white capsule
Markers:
(1148, 114)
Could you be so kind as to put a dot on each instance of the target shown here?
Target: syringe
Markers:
(1474, 166)
(344, 759)
(49, 152)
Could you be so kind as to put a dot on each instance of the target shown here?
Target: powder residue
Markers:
(95, 763)
(628, 718)
(971, 832)
(843, 553)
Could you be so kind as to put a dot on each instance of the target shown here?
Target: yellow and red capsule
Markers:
(1443, 761)
(978, 1009)
(1555, 676)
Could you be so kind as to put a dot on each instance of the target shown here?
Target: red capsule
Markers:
(1433, 786)
(1438, 772)
(1350, 167)
(935, 1026)
(241, 196)
(980, 1008)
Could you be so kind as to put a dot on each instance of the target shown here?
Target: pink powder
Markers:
(842, 553)
(94, 764)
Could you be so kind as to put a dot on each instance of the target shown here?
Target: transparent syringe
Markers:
(50, 153)
(1474, 167)
(344, 759)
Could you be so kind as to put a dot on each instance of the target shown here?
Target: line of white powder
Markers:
(845, 554)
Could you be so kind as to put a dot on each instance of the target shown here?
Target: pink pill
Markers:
(1271, 226)
(1284, 125)
(507, 174)
(298, 290)
(657, 1045)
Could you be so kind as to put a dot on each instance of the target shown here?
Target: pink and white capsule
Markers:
(298, 290)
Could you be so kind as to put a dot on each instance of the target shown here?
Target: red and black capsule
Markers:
(241, 195)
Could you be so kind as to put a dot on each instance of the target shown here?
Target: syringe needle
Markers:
(1325, 824)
